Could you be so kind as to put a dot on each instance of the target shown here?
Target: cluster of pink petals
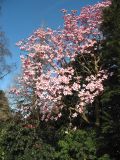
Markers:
(46, 71)
(89, 90)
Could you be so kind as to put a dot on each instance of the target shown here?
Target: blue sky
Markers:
(20, 18)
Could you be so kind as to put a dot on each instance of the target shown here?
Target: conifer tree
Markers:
(4, 107)
(111, 98)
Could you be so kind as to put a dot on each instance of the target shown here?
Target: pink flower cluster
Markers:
(92, 87)
(47, 73)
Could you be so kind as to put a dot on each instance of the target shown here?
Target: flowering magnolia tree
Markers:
(63, 63)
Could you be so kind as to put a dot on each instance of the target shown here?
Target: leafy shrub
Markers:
(77, 145)
(23, 143)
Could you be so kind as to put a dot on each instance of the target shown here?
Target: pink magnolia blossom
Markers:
(46, 73)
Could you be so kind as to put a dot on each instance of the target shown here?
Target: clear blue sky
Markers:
(21, 17)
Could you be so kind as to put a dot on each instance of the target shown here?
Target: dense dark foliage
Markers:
(111, 98)
(5, 113)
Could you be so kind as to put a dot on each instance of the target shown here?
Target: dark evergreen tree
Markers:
(5, 113)
(111, 98)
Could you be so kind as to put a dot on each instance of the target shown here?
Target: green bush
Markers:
(19, 142)
(26, 142)
(77, 145)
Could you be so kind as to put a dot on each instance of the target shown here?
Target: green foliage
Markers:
(19, 142)
(104, 157)
(25, 142)
(78, 145)
(5, 113)
(44, 152)
(109, 136)
(2, 153)
(111, 29)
